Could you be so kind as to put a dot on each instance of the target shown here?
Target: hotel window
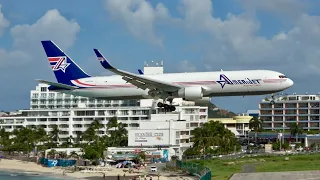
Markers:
(43, 89)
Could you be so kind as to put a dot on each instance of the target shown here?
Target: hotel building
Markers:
(302, 109)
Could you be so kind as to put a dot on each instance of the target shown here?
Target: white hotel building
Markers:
(74, 114)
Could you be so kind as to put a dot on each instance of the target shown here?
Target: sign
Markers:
(166, 154)
(148, 137)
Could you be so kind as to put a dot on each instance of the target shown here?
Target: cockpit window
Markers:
(282, 76)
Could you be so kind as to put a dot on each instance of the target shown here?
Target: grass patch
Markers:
(223, 169)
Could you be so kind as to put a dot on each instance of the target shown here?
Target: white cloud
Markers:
(51, 26)
(186, 66)
(27, 55)
(4, 23)
(235, 41)
(26, 38)
(139, 17)
(10, 58)
(288, 8)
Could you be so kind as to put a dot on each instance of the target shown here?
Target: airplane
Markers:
(192, 86)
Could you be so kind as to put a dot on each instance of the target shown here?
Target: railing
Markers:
(202, 172)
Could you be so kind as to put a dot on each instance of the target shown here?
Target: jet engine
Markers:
(191, 93)
(204, 100)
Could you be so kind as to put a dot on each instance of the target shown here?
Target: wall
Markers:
(148, 137)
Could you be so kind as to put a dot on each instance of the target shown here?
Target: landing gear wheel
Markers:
(169, 108)
(166, 106)
(172, 108)
(160, 104)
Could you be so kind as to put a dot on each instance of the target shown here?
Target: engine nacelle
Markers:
(191, 93)
(204, 100)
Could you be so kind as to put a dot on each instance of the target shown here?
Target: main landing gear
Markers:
(167, 107)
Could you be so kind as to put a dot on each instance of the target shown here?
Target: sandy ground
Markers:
(30, 167)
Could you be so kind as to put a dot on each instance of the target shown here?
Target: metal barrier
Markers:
(202, 172)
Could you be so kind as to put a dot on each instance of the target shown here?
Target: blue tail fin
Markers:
(64, 68)
(140, 71)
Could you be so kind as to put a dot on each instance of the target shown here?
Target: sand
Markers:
(31, 167)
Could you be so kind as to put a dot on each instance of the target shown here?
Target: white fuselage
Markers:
(219, 83)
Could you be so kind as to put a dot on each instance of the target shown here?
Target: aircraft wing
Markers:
(137, 80)
(57, 85)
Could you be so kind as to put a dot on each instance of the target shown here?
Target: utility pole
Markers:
(280, 139)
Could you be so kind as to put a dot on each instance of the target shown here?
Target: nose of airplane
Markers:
(289, 82)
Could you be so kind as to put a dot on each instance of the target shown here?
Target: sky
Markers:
(188, 35)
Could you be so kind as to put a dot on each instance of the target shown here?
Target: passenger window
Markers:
(282, 76)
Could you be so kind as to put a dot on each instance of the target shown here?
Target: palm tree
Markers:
(112, 123)
(295, 130)
(78, 139)
(119, 136)
(91, 133)
(5, 140)
(256, 125)
(54, 134)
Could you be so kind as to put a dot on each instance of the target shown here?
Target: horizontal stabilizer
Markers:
(140, 71)
(57, 85)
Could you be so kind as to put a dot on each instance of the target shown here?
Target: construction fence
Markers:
(202, 172)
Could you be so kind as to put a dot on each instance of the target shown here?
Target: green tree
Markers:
(91, 133)
(25, 139)
(212, 137)
(67, 143)
(295, 130)
(54, 135)
(118, 134)
(5, 141)
(112, 123)
(256, 125)
(94, 150)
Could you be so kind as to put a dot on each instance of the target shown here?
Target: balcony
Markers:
(313, 111)
(278, 105)
(278, 119)
(265, 106)
(291, 105)
(184, 136)
(265, 112)
(314, 105)
(303, 105)
(290, 112)
(189, 144)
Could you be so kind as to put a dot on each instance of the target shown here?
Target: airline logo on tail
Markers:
(100, 59)
(58, 63)
(225, 80)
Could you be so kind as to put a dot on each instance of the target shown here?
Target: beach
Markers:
(31, 167)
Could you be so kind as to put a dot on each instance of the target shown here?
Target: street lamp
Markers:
(282, 136)
(283, 126)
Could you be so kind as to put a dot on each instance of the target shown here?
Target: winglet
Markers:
(140, 71)
(104, 62)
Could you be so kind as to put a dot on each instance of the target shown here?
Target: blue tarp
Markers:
(57, 162)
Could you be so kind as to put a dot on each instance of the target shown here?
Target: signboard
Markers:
(148, 137)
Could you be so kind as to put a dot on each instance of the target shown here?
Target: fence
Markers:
(202, 172)
(243, 155)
